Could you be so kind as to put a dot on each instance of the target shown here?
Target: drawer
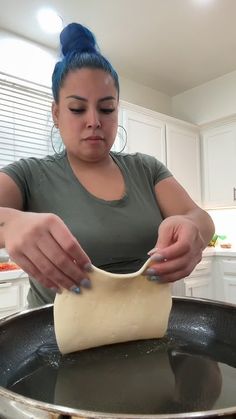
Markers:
(9, 296)
(202, 268)
(229, 266)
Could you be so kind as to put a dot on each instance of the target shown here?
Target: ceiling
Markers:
(168, 45)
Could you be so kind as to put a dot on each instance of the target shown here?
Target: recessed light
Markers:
(50, 21)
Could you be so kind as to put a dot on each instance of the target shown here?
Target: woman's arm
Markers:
(10, 200)
(41, 244)
(183, 234)
(174, 200)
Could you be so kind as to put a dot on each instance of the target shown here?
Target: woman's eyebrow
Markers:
(103, 99)
(76, 97)
(107, 98)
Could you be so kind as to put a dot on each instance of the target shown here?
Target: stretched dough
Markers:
(117, 308)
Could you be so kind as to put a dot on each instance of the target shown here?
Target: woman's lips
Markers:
(94, 139)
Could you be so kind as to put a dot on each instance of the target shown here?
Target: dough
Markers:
(117, 308)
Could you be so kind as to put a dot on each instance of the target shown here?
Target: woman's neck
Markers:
(102, 178)
(82, 165)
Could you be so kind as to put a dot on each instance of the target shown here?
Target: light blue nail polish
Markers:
(86, 283)
(154, 278)
(75, 289)
(88, 267)
(150, 272)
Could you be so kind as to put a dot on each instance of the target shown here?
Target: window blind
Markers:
(25, 119)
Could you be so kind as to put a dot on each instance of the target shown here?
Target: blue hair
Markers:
(79, 50)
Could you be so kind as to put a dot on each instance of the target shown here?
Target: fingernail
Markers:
(158, 258)
(150, 272)
(153, 278)
(152, 251)
(75, 289)
(88, 267)
(86, 283)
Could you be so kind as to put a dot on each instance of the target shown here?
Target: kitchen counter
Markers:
(219, 251)
(14, 287)
(12, 274)
(209, 251)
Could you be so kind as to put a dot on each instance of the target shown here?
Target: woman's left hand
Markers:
(178, 249)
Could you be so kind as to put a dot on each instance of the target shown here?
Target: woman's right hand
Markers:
(43, 246)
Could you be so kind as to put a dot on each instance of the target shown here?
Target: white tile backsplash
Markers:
(225, 223)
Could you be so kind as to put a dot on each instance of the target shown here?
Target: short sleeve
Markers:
(154, 168)
(20, 172)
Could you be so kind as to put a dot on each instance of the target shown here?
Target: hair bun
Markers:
(76, 37)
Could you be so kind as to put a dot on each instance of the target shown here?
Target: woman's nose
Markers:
(93, 120)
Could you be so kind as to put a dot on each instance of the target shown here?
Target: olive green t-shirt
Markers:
(116, 234)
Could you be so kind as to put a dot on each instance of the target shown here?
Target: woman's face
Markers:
(87, 114)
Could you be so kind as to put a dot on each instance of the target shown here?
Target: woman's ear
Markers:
(55, 114)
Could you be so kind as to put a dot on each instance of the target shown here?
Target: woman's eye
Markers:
(74, 110)
(107, 110)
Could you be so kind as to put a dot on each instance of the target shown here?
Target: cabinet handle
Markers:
(6, 285)
(234, 194)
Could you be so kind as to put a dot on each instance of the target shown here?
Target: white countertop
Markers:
(12, 274)
(219, 251)
(209, 251)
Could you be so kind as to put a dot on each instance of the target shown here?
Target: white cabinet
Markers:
(14, 286)
(219, 164)
(199, 287)
(183, 157)
(228, 270)
(199, 284)
(173, 142)
(146, 134)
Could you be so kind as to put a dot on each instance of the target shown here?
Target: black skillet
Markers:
(188, 373)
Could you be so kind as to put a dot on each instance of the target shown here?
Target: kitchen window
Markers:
(25, 119)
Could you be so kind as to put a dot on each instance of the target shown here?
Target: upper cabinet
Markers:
(173, 142)
(219, 165)
(183, 157)
(145, 134)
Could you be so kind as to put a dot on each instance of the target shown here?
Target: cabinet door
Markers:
(219, 156)
(199, 283)
(146, 134)
(178, 288)
(183, 158)
(199, 287)
(9, 298)
(230, 289)
(24, 293)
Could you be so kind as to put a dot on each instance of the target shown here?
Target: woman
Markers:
(89, 205)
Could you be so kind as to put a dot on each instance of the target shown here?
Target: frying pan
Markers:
(178, 376)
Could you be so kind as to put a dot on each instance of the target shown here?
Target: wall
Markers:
(225, 223)
(144, 96)
(30, 61)
(208, 102)
(26, 59)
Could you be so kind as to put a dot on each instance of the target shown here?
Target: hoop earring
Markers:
(122, 137)
(58, 140)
